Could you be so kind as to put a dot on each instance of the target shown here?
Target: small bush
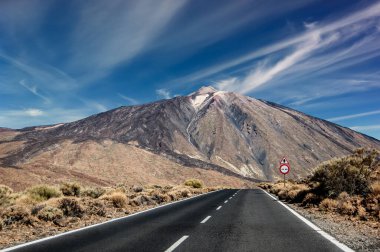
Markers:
(71, 189)
(375, 189)
(96, 208)
(362, 213)
(160, 198)
(15, 215)
(36, 209)
(94, 192)
(70, 207)
(328, 204)
(141, 200)
(195, 183)
(5, 193)
(49, 213)
(117, 198)
(172, 196)
(43, 192)
(346, 208)
(185, 193)
(310, 199)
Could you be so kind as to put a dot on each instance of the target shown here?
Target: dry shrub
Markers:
(195, 183)
(118, 199)
(160, 198)
(172, 196)
(5, 195)
(70, 207)
(345, 205)
(93, 192)
(71, 189)
(36, 209)
(185, 193)
(42, 192)
(346, 208)
(350, 174)
(96, 208)
(362, 213)
(310, 199)
(50, 213)
(328, 204)
(141, 200)
(16, 215)
(375, 189)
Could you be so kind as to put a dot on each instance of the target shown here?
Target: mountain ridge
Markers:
(229, 133)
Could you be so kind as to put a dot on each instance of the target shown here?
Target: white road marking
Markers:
(314, 227)
(219, 207)
(206, 219)
(225, 201)
(230, 198)
(177, 243)
(98, 224)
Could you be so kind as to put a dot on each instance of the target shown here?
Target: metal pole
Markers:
(284, 180)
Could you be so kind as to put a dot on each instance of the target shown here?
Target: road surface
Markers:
(226, 220)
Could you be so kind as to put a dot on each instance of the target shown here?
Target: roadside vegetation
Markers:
(45, 209)
(349, 186)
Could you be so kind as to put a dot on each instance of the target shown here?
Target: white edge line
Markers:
(98, 224)
(313, 226)
(219, 207)
(206, 219)
(177, 243)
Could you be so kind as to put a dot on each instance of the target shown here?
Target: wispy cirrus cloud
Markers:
(101, 41)
(34, 90)
(366, 127)
(130, 100)
(346, 117)
(291, 52)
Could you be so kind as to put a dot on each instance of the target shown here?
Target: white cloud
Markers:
(34, 112)
(346, 117)
(163, 93)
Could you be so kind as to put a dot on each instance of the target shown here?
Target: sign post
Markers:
(284, 167)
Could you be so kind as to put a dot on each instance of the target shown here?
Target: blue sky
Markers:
(64, 60)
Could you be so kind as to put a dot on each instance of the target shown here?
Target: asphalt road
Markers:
(227, 220)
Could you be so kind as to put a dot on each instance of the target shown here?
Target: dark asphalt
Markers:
(250, 221)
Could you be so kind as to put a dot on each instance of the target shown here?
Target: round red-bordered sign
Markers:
(284, 168)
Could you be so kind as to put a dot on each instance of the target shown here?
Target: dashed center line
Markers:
(230, 198)
(225, 201)
(206, 219)
(219, 207)
(177, 243)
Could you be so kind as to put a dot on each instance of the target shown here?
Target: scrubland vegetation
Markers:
(348, 186)
(70, 205)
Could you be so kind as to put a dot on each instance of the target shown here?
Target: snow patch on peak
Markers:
(198, 100)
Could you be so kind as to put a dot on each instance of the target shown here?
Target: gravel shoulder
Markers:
(356, 234)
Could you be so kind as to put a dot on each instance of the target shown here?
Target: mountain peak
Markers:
(205, 90)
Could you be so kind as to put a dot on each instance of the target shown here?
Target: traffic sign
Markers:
(284, 161)
(284, 169)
